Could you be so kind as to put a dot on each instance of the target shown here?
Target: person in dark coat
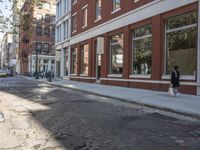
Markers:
(175, 76)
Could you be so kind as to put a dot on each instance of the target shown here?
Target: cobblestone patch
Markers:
(43, 117)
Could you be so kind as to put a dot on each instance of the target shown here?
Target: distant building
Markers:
(135, 43)
(0, 57)
(63, 35)
(37, 38)
(5, 47)
(14, 59)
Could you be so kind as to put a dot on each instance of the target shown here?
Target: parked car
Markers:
(2, 74)
(7, 72)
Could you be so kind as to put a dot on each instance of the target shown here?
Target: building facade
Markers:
(37, 38)
(16, 6)
(63, 35)
(0, 59)
(5, 50)
(0, 55)
(136, 43)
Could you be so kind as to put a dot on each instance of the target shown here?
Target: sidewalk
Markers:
(188, 105)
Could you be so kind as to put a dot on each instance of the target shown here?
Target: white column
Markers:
(62, 63)
(198, 52)
(69, 28)
(56, 35)
(49, 65)
(62, 32)
(70, 4)
(69, 60)
(57, 11)
(42, 63)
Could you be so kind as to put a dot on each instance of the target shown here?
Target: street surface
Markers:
(39, 116)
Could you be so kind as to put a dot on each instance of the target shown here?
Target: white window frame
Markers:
(110, 62)
(85, 16)
(72, 53)
(73, 29)
(114, 10)
(134, 39)
(82, 53)
(74, 2)
(99, 6)
(165, 75)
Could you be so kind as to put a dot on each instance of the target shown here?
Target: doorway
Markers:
(98, 68)
(58, 69)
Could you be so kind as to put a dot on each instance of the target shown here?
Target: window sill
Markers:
(115, 75)
(85, 6)
(135, 1)
(114, 11)
(74, 31)
(140, 76)
(74, 3)
(73, 74)
(98, 19)
(182, 77)
(84, 26)
(83, 75)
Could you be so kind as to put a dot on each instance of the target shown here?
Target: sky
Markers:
(5, 7)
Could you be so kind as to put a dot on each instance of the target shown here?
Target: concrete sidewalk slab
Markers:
(188, 105)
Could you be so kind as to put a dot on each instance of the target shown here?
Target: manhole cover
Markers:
(1, 117)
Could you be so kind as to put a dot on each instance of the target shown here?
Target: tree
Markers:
(10, 24)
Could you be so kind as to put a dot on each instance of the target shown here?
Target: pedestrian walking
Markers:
(175, 76)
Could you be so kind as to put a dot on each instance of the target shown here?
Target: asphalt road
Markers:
(39, 116)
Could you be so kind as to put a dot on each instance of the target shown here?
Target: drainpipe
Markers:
(198, 52)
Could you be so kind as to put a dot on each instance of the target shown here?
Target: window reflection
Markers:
(84, 59)
(142, 50)
(74, 61)
(181, 43)
(117, 54)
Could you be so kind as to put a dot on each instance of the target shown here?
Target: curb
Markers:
(128, 101)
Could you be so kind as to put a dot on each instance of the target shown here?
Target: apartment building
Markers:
(37, 38)
(63, 34)
(136, 43)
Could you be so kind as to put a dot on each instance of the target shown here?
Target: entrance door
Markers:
(58, 69)
(98, 68)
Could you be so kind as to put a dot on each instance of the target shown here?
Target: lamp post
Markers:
(36, 61)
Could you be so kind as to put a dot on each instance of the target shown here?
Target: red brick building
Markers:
(142, 41)
(38, 34)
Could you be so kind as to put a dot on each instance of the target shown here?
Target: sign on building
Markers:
(100, 45)
(58, 55)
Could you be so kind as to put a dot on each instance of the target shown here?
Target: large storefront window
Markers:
(74, 61)
(181, 43)
(142, 50)
(117, 54)
(84, 59)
